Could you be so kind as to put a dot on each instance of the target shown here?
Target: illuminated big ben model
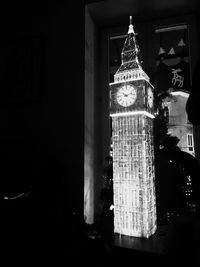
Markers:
(132, 112)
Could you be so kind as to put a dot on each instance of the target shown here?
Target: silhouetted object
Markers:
(15, 179)
(177, 181)
(161, 120)
(49, 185)
(192, 105)
(107, 190)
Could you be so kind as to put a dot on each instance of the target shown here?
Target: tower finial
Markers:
(130, 29)
(130, 20)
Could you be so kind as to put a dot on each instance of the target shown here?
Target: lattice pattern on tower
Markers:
(134, 192)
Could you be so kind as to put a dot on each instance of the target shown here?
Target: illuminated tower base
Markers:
(133, 172)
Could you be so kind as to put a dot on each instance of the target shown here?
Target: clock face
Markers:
(126, 95)
(150, 97)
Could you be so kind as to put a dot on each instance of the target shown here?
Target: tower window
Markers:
(166, 114)
(190, 142)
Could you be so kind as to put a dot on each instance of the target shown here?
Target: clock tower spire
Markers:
(131, 110)
(131, 64)
(130, 50)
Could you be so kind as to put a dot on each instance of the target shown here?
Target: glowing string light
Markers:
(137, 112)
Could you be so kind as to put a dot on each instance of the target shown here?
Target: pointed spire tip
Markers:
(130, 30)
(130, 20)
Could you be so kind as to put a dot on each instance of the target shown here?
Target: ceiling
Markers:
(107, 13)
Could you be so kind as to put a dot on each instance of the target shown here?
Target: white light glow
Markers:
(138, 112)
(24, 194)
(181, 93)
(111, 207)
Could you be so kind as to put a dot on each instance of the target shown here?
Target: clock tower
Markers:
(132, 112)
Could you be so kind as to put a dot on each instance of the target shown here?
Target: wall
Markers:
(42, 134)
(92, 147)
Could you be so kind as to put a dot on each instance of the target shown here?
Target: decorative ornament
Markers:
(181, 43)
(161, 51)
(171, 51)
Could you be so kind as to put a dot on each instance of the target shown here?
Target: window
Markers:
(166, 50)
(166, 114)
(172, 59)
(190, 142)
